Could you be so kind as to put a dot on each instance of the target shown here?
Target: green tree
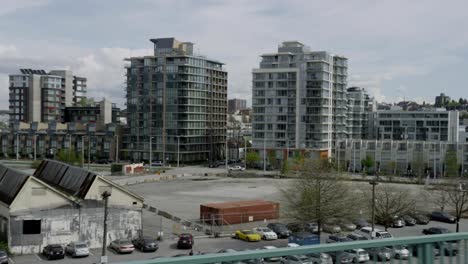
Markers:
(367, 163)
(319, 194)
(451, 163)
(298, 159)
(285, 168)
(418, 165)
(272, 158)
(454, 197)
(252, 158)
(68, 156)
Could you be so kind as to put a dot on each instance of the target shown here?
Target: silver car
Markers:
(77, 249)
(400, 252)
(296, 259)
(320, 258)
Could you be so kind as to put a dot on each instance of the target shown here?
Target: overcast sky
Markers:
(396, 49)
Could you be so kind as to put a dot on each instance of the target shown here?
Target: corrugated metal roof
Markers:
(236, 204)
(69, 179)
(11, 182)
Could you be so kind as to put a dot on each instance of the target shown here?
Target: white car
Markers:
(293, 245)
(360, 255)
(266, 233)
(236, 168)
(77, 249)
(271, 259)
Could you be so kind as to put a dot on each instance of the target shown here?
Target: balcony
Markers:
(423, 248)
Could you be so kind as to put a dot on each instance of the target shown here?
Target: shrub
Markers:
(116, 167)
(35, 164)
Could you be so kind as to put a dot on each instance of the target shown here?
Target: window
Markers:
(31, 227)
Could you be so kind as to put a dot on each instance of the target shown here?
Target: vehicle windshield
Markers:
(247, 232)
(124, 241)
(55, 247)
(81, 245)
(2, 254)
(385, 235)
(443, 231)
(265, 230)
(148, 240)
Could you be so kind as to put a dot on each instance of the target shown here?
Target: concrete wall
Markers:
(118, 197)
(105, 116)
(36, 195)
(62, 226)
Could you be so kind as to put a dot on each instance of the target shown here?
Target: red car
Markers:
(185, 241)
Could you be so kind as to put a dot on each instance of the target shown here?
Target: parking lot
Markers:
(183, 196)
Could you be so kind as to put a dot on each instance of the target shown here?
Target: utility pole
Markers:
(150, 153)
(226, 152)
(35, 140)
(116, 148)
(373, 183)
(69, 146)
(264, 156)
(89, 150)
(82, 151)
(105, 196)
(245, 153)
(178, 150)
(17, 145)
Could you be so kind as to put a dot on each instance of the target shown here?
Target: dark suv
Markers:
(280, 229)
(338, 238)
(145, 244)
(53, 251)
(443, 217)
(185, 241)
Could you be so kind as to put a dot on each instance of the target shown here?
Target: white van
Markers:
(377, 234)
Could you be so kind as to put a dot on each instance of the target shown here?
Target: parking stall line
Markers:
(37, 256)
(11, 260)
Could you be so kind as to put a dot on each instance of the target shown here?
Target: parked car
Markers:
(295, 259)
(185, 241)
(341, 257)
(311, 227)
(377, 234)
(157, 163)
(3, 257)
(293, 245)
(271, 259)
(338, 238)
(53, 251)
(421, 219)
(103, 161)
(380, 253)
(236, 168)
(398, 222)
(295, 227)
(400, 252)
(145, 244)
(435, 231)
(346, 225)
(280, 229)
(248, 235)
(122, 246)
(435, 252)
(443, 217)
(360, 223)
(320, 258)
(360, 255)
(331, 228)
(409, 221)
(78, 249)
(449, 248)
(356, 237)
(266, 233)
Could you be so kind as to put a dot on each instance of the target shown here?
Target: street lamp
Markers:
(116, 148)
(105, 196)
(178, 150)
(264, 156)
(373, 183)
(151, 152)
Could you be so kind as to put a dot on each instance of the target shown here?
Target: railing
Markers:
(424, 248)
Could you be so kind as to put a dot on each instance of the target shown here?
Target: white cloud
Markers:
(10, 6)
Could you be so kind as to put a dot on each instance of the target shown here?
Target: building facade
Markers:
(299, 100)
(442, 100)
(235, 105)
(359, 106)
(60, 204)
(29, 140)
(177, 101)
(38, 96)
(402, 157)
(103, 112)
(426, 125)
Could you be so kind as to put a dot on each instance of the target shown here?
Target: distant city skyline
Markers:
(396, 49)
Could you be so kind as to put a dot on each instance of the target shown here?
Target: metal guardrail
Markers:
(423, 246)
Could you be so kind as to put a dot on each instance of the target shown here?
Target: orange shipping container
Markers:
(238, 212)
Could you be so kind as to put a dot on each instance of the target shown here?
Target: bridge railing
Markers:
(446, 248)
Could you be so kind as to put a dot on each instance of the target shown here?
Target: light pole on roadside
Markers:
(178, 150)
(151, 153)
(116, 149)
(264, 156)
(105, 196)
(373, 183)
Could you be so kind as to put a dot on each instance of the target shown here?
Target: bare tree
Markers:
(319, 194)
(389, 203)
(455, 198)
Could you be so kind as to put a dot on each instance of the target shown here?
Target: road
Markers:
(168, 247)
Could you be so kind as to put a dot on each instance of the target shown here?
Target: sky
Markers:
(397, 49)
